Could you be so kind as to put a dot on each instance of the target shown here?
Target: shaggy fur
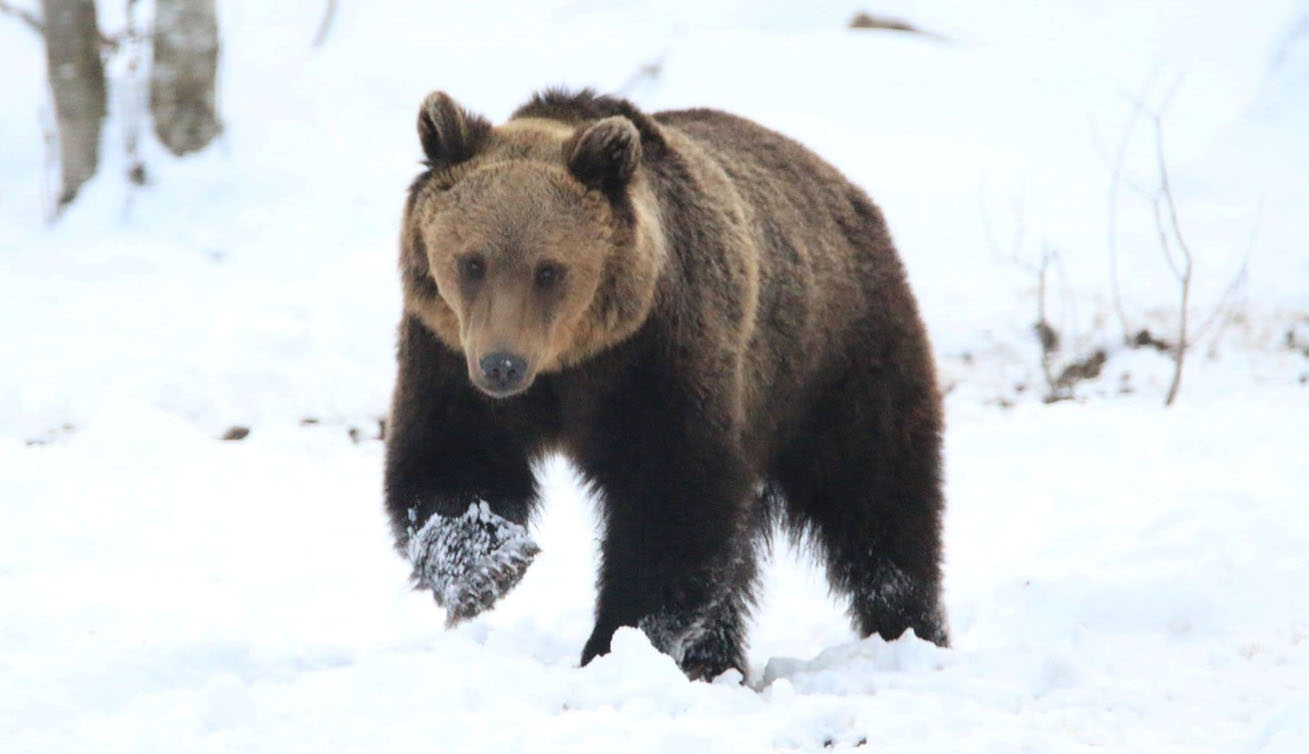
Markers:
(731, 343)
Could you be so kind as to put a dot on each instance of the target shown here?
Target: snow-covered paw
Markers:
(470, 561)
(703, 645)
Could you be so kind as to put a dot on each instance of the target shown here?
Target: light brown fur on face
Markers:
(515, 207)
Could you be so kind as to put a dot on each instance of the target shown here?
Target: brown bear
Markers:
(709, 320)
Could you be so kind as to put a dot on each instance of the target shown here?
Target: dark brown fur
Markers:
(740, 323)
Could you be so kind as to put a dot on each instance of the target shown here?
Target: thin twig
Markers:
(1116, 178)
(1046, 335)
(324, 26)
(1015, 256)
(1222, 309)
(1162, 230)
(1161, 199)
(1068, 316)
(26, 16)
(1180, 353)
(1183, 270)
(1167, 192)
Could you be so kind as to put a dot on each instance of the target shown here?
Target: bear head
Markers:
(531, 246)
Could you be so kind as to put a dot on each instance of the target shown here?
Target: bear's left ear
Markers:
(605, 155)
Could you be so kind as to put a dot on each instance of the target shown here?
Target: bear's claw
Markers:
(469, 561)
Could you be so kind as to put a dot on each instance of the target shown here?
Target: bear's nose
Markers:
(503, 371)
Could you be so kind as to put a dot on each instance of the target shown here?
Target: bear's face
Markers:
(525, 249)
(517, 253)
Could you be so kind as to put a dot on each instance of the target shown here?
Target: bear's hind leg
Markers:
(863, 481)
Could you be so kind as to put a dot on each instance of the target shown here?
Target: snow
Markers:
(1119, 576)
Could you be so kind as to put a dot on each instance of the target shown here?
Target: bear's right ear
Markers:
(605, 155)
(448, 133)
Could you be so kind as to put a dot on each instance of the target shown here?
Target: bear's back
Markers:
(804, 209)
(829, 276)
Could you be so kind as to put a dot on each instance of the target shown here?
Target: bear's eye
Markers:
(472, 268)
(548, 274)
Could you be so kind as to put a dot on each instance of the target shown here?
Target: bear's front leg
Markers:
(459, 484)
(678, 557)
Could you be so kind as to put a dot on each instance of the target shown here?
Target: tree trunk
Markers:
(182, 75)
(77, 81)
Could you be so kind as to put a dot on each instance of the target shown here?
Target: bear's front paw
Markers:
(470, 561)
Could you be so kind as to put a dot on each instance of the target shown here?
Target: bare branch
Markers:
(1183, 270)
(26, 16)
(1046, 335)
(1179, 355)
(324, 26)
(1162, 230)
(1068, 319)
(1222, 310)
(1116, 165)
(1014, 256)
(1166, 192)
(1116, 178)
(1172, 243)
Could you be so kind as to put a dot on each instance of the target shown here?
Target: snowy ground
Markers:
(1120, 576)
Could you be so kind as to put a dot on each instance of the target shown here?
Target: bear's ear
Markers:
(605, 155)
(448, 133)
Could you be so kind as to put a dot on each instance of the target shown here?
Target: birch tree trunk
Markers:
(77, 82)
(182, 74)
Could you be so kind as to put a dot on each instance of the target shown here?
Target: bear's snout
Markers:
(503, 373)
